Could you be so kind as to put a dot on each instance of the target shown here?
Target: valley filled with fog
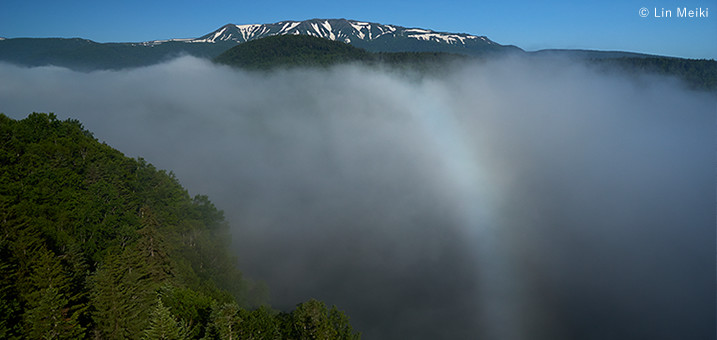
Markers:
(506, 199)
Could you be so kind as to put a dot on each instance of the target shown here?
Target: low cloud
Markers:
(515, 199)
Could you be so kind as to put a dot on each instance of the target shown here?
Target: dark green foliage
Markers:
(291, 50)
(97, 245)
(124, 287)
(164, 326)
(310, 320)
(261, 323)
(9, 305)
(302, 50)
(51, 309)
(191, 307)
(38, 291)
(10, 302)
(224, 322)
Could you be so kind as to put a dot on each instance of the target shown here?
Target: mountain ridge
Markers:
(86, 55)
(335, 29)
(374, 37)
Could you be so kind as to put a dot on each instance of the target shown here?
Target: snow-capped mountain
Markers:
(344, 30)
(371, 36)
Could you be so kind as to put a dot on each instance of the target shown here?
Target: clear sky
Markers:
(529, 24)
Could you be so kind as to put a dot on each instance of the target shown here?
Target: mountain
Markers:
(414, 45)
(370, 36)
(87, 55)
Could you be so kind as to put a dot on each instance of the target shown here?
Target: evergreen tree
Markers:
(10, 310)
(124, 286)
(340, 322)
(260, 323)
(191, 307)
(163, 325)
(310, 320)
(51, 312)
(225, 322)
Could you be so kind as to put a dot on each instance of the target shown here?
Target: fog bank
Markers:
(513, 199)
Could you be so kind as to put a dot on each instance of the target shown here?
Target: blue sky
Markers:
(529, 24)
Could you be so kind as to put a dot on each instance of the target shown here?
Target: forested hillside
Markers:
(86, 55)
(303, 50)
(699, 74)
(291, 50)
(94, 244)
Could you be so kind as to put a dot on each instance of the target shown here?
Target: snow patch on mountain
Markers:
(288, 26)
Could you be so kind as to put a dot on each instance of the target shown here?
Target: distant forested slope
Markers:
(291, 50)
(86, 55)
(303, 50)
(697, 73)
(94, 244)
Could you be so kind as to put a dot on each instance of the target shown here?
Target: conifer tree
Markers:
(310, 320)
(260, 323)
(9, 303)
(163, 325)
(124, 286)
(49, 311)
(225, 322)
